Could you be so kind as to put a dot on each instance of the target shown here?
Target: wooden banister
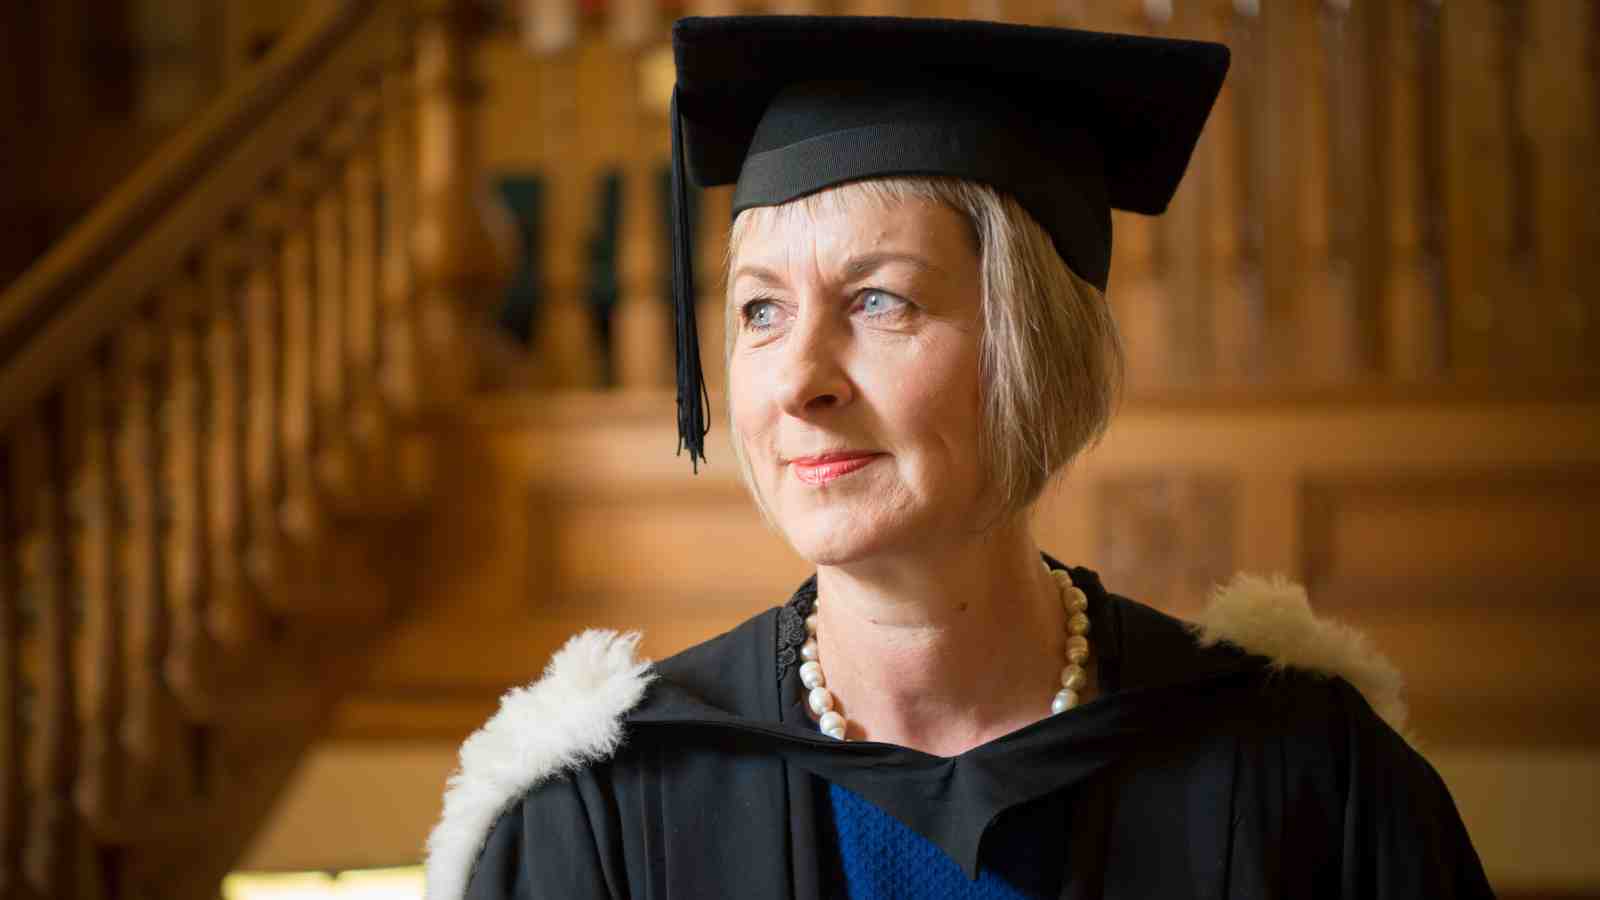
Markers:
(85, 287)
(206, 401)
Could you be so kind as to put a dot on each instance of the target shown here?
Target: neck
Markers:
(947, 651)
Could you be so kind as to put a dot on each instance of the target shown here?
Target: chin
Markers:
(842, 533)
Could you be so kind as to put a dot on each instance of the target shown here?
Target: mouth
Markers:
(817, 470)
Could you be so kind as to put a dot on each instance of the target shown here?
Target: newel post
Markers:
(461, 239)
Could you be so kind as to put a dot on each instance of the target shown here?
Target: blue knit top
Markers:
(878, 858)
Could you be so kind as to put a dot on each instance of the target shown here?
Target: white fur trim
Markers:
(568, 718)
(1272, 617)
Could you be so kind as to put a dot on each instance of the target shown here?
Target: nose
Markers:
(812, 378)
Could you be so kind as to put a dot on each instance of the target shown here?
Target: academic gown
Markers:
(1204, 772)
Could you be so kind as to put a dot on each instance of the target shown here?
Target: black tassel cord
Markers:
(694, 402)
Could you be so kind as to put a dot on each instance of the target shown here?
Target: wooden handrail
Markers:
(96, 276)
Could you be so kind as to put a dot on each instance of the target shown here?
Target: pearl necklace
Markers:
(1073, 677)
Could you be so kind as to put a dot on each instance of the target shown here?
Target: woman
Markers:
(918, 342)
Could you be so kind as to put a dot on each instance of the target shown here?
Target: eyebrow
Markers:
(855, 268)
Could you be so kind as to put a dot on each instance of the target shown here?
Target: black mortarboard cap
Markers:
(1073, 124)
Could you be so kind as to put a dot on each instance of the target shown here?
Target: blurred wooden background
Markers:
(339, 395)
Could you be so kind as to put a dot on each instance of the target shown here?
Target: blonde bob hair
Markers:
(1051, 359)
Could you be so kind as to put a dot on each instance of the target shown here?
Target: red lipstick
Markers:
(829, 466)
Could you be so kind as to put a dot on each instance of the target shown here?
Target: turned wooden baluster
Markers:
(1414, 315)
(564, 335)
(152, 732)
(365, 405)
(46, 577)
(1234, 219)
(332, 459)
(461, 268)
(299, 517)
(191, 665)
(13, 735)
(270, 218)
(397, 167)
(99, 791)
(641, 330)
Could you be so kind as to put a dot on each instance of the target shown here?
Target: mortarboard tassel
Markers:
(694, 403)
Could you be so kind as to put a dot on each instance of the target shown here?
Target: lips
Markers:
(818, 470)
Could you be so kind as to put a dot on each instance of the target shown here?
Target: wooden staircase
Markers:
(208, 458)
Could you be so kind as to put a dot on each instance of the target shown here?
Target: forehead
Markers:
(832, 225)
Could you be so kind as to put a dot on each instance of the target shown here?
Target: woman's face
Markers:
(854, 374)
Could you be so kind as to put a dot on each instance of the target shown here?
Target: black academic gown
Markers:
(1197, 772)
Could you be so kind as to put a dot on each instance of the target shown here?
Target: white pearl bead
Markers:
(811, 624)
(1065, 699)
(832, 725)
(1077, 649)
(1075, 600)
(1074, 677)
(811, 675)
(821, 700)
(1078, 624)
(808, 650)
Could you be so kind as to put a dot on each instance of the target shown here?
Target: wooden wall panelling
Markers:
(1165, 539)
(1438, 540)
(13, 726)
(1557, 75)
(99, 794)
(1406, 122)
(1483, 193)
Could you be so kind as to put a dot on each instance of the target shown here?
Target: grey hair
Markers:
(1051, 358)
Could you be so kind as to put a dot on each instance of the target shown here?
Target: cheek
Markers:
(938, 405)
(751, 416)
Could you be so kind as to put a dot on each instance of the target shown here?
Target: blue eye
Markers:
(760, 315)
(878, 303)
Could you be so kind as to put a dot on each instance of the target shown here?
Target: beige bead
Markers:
(1074, 677)
(1077, 649)
(811, 624)
(1078, 624)
(820, 699)
(811, 675)
(1075, 600)
(832, 725)
(809, 651)
(1065, 699)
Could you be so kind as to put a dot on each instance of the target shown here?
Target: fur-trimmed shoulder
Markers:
(570, 717)
(1272, 617)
